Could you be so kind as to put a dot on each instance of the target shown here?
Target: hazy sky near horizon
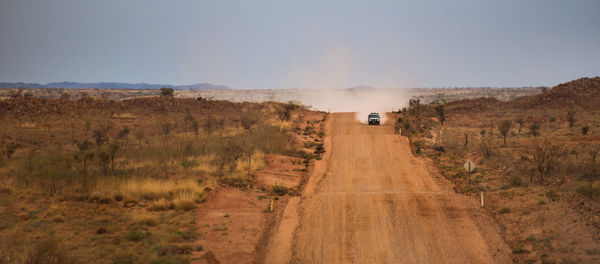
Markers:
(301, 44)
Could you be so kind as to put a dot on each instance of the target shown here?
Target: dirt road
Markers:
(376, 203)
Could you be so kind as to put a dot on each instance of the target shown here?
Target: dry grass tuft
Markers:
(147, 189)
(152, 189)
(257, 162)
(186, 200)
(161, 204)
(144, 218)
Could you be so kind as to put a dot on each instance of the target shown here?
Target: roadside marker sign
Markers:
(470, 166)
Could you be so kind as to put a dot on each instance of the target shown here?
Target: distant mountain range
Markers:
(113, 85)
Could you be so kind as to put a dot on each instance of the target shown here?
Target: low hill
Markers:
(584, 93)
(113, 85)
(580, 93)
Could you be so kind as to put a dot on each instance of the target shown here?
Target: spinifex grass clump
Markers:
(163, 194)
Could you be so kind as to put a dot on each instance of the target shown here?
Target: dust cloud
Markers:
(360, 100)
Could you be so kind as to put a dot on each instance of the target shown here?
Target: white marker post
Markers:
(482, 199)
(470, 166)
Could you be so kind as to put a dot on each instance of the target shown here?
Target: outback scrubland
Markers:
(537, 160)
(134, 181)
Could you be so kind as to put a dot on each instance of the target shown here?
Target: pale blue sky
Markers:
(301, 44)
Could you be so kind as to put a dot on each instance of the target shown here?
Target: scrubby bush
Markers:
(439, 148)
(504, 210)
(534, 129)
(515, 180)
(589, 191)
(235, 181)
(186, 201)
(166, 91)
(137, 235)
(584, 130)
(280, 190)
(441, 113)
(144, 218)
(418, 145)
(571, 118)
(552, 195)
(47, 250)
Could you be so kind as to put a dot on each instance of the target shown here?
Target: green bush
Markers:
(418, 145)
(280, 190)
(189, 163)
(584, 130)
(136, 235)
(515, 180)
(588, 191)
(123, 260)
(519, 249)
(171, 260)
(320, 149)
(439, 148)
(552, 195)
(504, 210)
(235, 181)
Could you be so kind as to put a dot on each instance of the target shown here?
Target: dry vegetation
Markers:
(100, 181)
(537, 164)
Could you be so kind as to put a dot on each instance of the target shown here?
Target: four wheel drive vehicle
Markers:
(374, 119)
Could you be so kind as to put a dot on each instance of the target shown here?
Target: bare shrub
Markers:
(285, 111)
(591, 175)
(441, 113)
(543, 156)
(8, 147)
(571, 117)
(45, 250)
(504, 128)
(534, 129)
(486, 143)
(520, 121)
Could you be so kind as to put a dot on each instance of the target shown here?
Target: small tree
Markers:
(441, 113)
(139, 135)
(520, 121)
(285, 112)
(571, 117)
(227, 155)
(100, 137)
(9, 147)
(195, 127)
(212, 124)
(165, 129)
(534, 129)
(504, 128)
(248, 120)
(486, 143)
(167, 92)
(84, 154)
(112, 151)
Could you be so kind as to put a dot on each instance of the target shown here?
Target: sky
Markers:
(301, 44)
